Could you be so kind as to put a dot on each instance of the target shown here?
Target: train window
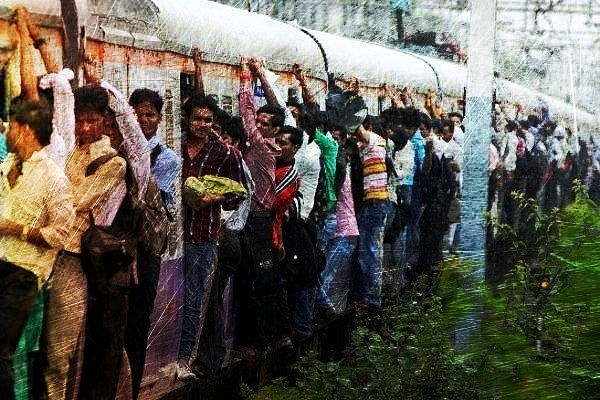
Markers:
(227, 104)
(215, 97)
(186, 85)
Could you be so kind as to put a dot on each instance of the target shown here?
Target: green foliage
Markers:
(536, 335)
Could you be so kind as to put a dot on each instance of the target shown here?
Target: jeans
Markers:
(304, 302)
(198, 261)
(18, 288)
(141, 304)
(413, 230)
(339, 257)
(371, 225)
(212, 338)
(327, 232)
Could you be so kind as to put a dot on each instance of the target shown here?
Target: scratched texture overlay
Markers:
(521, 285)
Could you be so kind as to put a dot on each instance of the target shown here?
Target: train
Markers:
(148, 43)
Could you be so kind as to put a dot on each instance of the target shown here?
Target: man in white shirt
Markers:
(36, 214)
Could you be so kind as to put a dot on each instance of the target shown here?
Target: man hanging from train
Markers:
(203, 154)
(165, 166)
(259, 280)
(111, 146)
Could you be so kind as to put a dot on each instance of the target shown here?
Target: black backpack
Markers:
(303, 263)
(148, 219)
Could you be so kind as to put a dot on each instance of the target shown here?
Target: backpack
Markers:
(148, 219)
(303, 265)
(151, 213)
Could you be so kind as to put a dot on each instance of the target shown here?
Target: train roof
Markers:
(225, 33)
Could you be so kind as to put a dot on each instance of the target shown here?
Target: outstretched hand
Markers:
(255, 65)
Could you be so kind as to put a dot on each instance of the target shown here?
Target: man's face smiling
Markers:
(201, 122)
(148, 117)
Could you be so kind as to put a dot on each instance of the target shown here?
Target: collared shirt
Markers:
(308, 166)
(261, 153)
(329, 150)
(404, 161)
(166, 169)
(508, 150)
(344, 209)
(288, 184)
(494, 159)
(101, 193)
(374, 169)
(3, 146)
(41, 199)
(418, 144)
(450, 149)
(134, 147)
(214, 158)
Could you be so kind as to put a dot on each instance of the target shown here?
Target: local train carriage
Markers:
(143, 43)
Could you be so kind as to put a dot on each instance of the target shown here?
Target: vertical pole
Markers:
(400, 25)
(71, 50)
(573, 103)
(480, 75)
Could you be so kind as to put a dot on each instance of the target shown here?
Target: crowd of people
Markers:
(322, 193)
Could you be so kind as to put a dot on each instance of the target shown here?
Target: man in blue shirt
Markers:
(165, 166)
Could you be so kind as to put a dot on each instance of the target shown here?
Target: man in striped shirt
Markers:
(372, 215)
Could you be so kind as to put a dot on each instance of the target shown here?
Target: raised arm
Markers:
(393, 94)
(134, 145)
(40, 43)
(198, 78)
(267, 80)
(258, 69)
(308, 97)
(28, 79)
(246, 102)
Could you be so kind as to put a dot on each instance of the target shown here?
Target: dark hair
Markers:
(308, 124)
(295, 103)
(425, 120)
(410, 117)
(342, 129)
(533, 120)
(524, 124)
(91, 98)
(374, 124)
(277, 112)
(511, 126)
(200, 101)
(391, 116)
(222, 117)
(296, 135)
(449, 124)
(35, 114)
(235, 128)
(399, 136)
(436, 123)
(455, 114)
(143, 95)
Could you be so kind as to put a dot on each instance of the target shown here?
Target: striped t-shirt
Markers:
(374, 169)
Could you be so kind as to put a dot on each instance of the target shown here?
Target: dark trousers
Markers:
(263, 311)
(18, 288)
(141, 305)
(212, 348)
(105, 331)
